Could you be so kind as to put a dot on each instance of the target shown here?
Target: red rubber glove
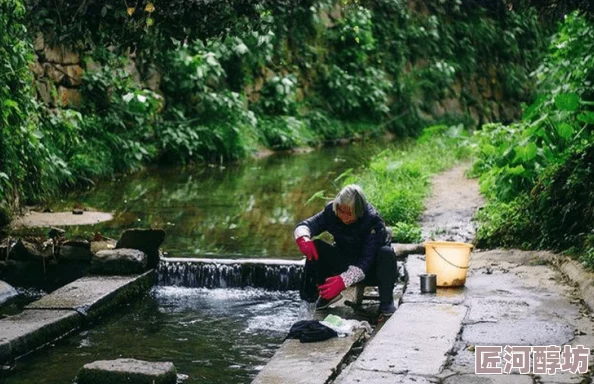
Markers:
(331, 288)
(307, 247)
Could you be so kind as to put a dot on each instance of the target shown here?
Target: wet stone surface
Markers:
(7, 292)
(489, 379)
(525, 332)
(127, 371)
(33, 328)
(92, 294)
(415, 266)
(311, 363)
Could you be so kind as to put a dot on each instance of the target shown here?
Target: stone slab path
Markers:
(510, 298)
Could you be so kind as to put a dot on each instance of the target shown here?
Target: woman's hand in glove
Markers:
(331, 288)
(307, 247)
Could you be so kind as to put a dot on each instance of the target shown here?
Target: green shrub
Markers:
(24, 160)
(538, 174)
(406, 233)
(279, 95)
(283, 132)
(355, 85)
(212, 122)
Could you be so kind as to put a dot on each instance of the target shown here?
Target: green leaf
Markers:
(517, 170)
(567, 101)
(317, 195)
(530, 151)
(10, 103)
(532, 110)
(489, 150)
(587, 117)
(343, 175)
(4, 175)
(565, 130)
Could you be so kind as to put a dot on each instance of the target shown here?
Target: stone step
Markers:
(32, 329)
(307, 363)
(65, 310)
(127, 371)
(93, 296)
(414, 342)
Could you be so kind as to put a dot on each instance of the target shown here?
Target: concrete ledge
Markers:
(33, 329)
(403, 250)
(231, 261)
(369, 377)
(127, 371)
(576, 273)
(414, 341)
(92, 296)
(307, 363)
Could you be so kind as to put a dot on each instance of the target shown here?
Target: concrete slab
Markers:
(94, 295)
(306, 363)
(561, 378)
(32, 329)
(488, 379)
(368, 377)
(525, 332)
(414, 341)
(127, 371)
(415, 266)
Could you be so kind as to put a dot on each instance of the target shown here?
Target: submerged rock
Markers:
(76, 251)
(146, 240)
(7, 292)
(124, 261)
(127, 371)
(27, 251)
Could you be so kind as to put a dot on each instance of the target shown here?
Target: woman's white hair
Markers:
(352, 196)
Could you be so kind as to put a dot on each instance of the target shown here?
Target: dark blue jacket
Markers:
(363, 238)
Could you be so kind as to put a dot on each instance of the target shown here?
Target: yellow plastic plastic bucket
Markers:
(449, 261)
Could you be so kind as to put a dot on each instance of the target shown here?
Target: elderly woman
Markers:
(361, 251)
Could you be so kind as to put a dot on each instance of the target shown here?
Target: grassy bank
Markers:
(398, 180)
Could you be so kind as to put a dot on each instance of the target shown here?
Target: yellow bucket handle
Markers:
(447, 261)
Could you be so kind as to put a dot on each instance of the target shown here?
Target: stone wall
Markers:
(58, 74)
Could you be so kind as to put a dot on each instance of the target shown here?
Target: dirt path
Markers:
(58, 219)
(453, 202)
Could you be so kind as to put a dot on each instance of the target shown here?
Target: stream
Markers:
(243, 210)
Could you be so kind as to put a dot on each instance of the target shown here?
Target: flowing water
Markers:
(211, 335)
(239, 210)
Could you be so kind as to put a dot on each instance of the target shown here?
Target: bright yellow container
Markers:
(449, 261)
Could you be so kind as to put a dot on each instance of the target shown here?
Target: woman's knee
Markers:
(386, 254)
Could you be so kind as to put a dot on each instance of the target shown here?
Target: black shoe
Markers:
(387, 309)
(324, 303)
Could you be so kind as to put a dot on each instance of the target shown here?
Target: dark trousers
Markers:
(333, 261)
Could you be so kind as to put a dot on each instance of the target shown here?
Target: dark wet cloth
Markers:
(309, 331)
(359, 241)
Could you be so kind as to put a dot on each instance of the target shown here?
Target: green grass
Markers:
(398, 180)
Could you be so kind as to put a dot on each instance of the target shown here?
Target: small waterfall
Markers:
(271, 274)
